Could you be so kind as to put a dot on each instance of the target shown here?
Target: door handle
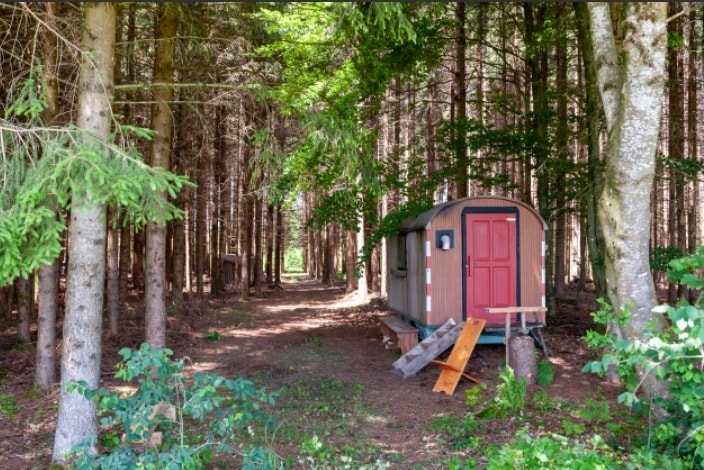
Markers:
(469, 267)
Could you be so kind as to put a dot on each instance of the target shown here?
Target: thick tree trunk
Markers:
(86, 272)
(155, 281)
(631, 87)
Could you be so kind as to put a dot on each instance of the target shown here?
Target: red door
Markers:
(490, 263)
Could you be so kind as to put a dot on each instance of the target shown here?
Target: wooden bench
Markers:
(508, 311)
(403, 334)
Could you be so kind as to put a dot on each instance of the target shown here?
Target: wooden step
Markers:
(431, 347)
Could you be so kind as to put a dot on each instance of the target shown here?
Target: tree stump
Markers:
(521, 358)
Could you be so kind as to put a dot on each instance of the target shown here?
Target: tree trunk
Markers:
(258, 238)
(521, 358)
(692, 137)
(595, 235)
(677, 224)
(138, 242)
(82, 336)
(362, 288)
(178, 254)
(162, 120)
(113, 273)
(631, 87)
(538, 64)
(564, 154)
(24, 292)
(270, 227)
(350, 262)
(459, 100)
(45, 369)
(280, 245)
(201, 224)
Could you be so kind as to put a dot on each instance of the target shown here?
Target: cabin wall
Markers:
(446, 269)
(406, 287)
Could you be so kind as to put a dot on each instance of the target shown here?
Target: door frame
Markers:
(512, 210)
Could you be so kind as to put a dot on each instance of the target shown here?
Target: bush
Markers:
(673, 354)
(167, 423)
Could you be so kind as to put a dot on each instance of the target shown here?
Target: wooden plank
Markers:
(405, 336)
(450, 375)
(428, 349)
(508, 311)
(398, 325)
(515, 309)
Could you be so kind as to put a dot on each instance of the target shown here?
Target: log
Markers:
(521, 358)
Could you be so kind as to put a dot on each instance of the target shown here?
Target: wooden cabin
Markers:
(463, 256)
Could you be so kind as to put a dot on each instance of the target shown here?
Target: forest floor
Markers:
(324, 355)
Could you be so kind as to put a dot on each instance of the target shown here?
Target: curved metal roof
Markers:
(421, 221)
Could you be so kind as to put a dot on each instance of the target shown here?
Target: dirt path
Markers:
(325, 357)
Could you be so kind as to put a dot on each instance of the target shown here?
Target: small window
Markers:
(401, 258)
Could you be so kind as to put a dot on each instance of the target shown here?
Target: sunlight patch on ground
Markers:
(379, 420)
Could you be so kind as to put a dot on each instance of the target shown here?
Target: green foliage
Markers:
(463, 433)
(672, 351)
(511, 391)
(198, 420)
(293, 260)
(473, 395)
(212, 336)
(546, 374)
(660, 257)
(553, 452)
(45, 170)
(8, 406)
(317, 455)
(542, 402)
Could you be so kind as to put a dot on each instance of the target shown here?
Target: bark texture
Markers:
(631, 91)
(162, 119)
(86, 271)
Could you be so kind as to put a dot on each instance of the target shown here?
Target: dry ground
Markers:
(307, 341)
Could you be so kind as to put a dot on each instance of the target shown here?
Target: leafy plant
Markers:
(8, 406)
(462, 433)
(212, 336)
(595, 411)
(546, 374)
(543, 402)
(317, 455)
(672, 352)
(511, 391)
(570, 428)
(473, 395)
(553, 452)
(165, 422)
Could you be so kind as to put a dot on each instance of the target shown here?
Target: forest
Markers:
(161, 157)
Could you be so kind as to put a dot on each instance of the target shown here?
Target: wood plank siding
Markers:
(430, 288)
